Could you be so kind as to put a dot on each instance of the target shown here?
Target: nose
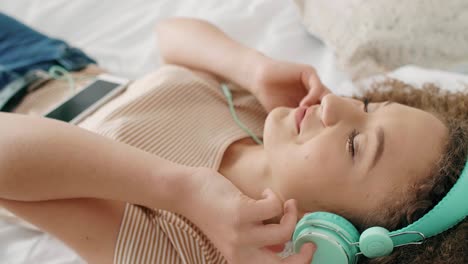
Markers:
(336, 108)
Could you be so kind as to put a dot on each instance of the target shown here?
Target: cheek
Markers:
(319, 158)
(277, 130)
(296, 169)
(313, 174)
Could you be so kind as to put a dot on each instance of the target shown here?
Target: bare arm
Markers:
(200, 45)
(43, 159)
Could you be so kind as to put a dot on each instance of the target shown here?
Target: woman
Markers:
(322, 155)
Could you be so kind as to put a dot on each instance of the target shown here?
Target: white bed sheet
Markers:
(119, 34)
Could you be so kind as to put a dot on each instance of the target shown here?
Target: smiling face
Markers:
(346, 157)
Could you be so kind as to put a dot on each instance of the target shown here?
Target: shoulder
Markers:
(173, 76)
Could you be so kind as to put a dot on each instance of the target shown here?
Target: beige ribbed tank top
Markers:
(181, 116)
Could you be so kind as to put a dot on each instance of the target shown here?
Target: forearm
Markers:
(43, 159)
(200, 45)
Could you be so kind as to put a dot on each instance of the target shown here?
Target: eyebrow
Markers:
(380, 135)
(380, 145)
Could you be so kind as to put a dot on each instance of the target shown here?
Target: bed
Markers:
(119, 35)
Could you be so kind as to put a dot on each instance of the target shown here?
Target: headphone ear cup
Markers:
(332, 235)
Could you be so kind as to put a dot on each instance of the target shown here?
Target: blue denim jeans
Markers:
(23, 49)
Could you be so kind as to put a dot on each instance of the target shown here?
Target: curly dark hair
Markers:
(451, 108)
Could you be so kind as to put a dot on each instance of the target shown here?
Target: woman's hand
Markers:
(234, 222)
(281, 83)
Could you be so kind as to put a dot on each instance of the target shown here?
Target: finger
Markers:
(276, 248)
(311, 98)
(304, 256)
(315, 88)
(264, 256)
(314, 96)
(308, 74)
(274, 234)
(268, 207)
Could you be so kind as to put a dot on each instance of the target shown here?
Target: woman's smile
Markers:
(299, 115)
(303, 114)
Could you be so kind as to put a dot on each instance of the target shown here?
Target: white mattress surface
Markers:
(119, 35)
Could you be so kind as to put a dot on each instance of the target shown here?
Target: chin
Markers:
(268, 129)
(273, 125)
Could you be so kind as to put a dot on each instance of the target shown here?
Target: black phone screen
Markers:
(82, 100)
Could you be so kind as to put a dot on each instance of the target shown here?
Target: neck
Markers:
(245, 165)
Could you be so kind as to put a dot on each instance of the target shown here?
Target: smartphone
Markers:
(88, 100)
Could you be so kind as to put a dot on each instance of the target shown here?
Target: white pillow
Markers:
(410, 74)
(376, 36)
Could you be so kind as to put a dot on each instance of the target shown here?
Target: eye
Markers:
(354, 133)
(350, 143)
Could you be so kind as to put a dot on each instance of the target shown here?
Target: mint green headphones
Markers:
(339, 242)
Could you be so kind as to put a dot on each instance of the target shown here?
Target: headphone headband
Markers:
(447, 213)
(339, 242)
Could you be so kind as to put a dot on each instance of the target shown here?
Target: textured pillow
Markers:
(374, 36)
